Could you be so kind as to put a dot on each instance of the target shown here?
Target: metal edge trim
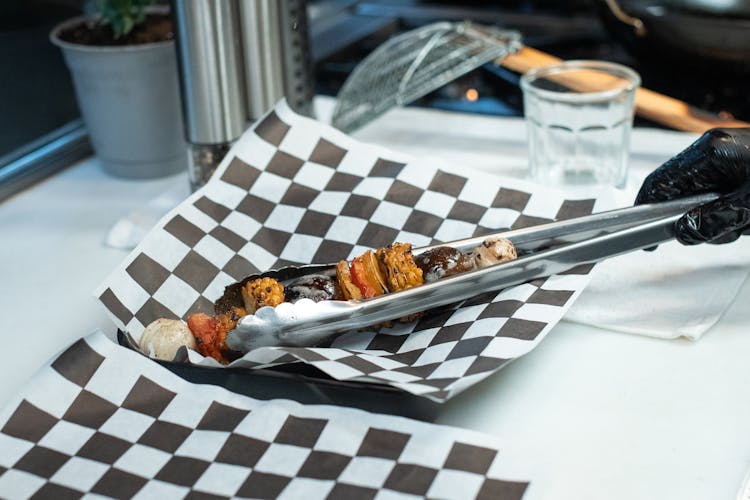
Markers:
(44, 157)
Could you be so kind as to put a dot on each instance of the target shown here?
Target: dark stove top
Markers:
(572, 29)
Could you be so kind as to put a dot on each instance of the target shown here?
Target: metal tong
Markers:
(543, 250)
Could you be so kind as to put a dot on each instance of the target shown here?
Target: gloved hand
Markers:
(719, 161)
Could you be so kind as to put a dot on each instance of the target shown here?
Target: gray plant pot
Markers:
(129, 97)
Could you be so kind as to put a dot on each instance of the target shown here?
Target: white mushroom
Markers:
(163, 337)
(492, 252)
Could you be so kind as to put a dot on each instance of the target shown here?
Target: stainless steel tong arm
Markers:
(553, 248)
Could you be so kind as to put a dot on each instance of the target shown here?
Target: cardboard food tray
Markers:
(304, 384)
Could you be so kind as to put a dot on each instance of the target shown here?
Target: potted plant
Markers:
(124, 70)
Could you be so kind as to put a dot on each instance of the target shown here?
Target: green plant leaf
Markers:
(123, 15)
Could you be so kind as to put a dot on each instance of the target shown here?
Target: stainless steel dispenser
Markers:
(209, 54)
(237, 59)
(277, 55)
(298, 71)
(263, 55)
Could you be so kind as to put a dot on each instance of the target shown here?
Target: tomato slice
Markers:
(204, 329)
(359, 278)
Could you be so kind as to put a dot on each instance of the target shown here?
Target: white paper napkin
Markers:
(744, 491)
(127, 232)
(675, 291)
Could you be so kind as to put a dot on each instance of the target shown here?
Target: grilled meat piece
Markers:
(443, 261)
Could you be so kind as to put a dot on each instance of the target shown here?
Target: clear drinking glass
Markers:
(579, 115)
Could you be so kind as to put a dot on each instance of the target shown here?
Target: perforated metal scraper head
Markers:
(414, 64)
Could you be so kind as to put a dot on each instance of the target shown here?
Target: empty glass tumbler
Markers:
(579, 116)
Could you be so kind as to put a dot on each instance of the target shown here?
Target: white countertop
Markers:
(588, 414)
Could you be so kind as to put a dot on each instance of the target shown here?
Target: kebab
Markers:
(386, 270)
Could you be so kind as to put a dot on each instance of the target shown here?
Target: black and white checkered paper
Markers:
(102, 421)
(295, 191)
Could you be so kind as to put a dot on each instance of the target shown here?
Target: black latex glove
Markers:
(717, 162)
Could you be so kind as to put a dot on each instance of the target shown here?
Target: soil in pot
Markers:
(155, 28)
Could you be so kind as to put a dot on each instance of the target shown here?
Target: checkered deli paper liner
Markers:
(103, 421)
(295, 191)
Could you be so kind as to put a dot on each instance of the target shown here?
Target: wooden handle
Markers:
(656, 107)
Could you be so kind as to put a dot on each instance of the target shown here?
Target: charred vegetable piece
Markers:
(315, 287)
(359, 278)
(210, 333)
(367, 276)
(349, 290)
(204, 328)
(443, 261)
(262, 292)
(228, 321)
(374, 272)
(397, 263)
